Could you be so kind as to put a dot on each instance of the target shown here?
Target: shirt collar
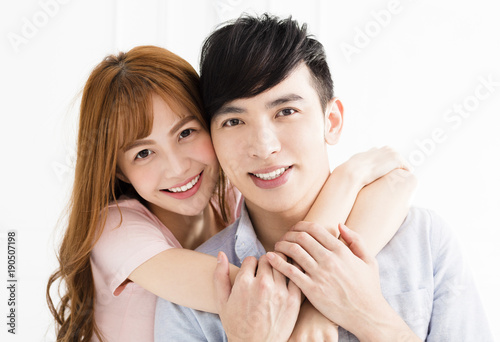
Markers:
(246, 242)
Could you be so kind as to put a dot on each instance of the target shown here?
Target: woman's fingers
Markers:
(355, 243)
(302, 255)
(288, 270)
(312, 236)
(279, 278)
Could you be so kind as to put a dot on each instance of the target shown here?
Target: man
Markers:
(269, 101)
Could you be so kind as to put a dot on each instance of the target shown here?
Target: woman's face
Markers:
(175, 167)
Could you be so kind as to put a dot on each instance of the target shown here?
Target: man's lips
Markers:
(270, 172)
(273, 178)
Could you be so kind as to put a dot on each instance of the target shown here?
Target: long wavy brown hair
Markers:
(115, 110)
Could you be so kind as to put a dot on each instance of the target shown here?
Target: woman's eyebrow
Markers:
(181, 123)
(138, 143)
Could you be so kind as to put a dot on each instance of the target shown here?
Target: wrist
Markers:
(350, 180)
(385, 325)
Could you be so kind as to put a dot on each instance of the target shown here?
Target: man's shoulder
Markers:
(422, 233)
(423, 221)
(222, 241)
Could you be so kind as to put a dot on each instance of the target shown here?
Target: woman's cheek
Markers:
(206, 148)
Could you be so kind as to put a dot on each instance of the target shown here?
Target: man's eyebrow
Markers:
(283, 99)
(174, 129)
(238, 110)
(229, 110)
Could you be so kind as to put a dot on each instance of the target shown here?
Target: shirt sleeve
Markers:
(457, 312)
(129, 239)
(178, 323)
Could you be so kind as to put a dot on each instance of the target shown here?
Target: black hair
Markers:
(250, 55)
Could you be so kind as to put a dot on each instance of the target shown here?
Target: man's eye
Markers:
(143, 154)
(287, 112)
(186, 133)
(231, 122)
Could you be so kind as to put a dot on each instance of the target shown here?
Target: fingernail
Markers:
(270, 255)
(219, 257)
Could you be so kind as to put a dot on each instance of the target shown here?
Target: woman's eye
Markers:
(231, 122)
(186, 133)
(287, 112)
(143, 154)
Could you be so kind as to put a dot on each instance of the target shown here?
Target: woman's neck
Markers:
(190, 231)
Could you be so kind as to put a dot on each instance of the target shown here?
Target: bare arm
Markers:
(377, 212)
(378, 209)
(182, 276)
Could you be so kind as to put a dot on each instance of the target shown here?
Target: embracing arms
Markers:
(185, 277)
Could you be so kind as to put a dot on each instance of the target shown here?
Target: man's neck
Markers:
(271, 226)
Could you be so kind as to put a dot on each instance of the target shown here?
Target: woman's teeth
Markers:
(187, 186)
(271, 175)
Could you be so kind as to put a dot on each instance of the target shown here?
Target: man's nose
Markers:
(263, 142)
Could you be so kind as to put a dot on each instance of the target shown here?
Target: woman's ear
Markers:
(334, 121)
(121, 176)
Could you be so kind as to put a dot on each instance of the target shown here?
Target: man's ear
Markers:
(334, 121)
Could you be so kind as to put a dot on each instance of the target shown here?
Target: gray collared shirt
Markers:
(423, 277)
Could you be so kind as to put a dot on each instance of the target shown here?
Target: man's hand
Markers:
(261, 306)
(341, 281)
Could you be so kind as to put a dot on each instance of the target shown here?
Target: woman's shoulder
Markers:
(126, 211)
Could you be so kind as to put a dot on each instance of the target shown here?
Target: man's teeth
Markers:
(187, 186)
(271, 175)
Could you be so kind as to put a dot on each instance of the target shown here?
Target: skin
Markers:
(293, 133)
(165, 161)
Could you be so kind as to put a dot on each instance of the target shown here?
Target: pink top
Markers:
(124, 311)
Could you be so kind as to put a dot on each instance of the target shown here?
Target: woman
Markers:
(148, 188)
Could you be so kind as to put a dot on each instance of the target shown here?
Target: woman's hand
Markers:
(312, 326)
(368, 166)
(341, 281)
(261, 306)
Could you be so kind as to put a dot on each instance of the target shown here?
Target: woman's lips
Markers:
(177, 191)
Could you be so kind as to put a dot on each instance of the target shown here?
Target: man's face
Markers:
(273, 146)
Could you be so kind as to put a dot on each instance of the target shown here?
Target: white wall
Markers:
(401, 77)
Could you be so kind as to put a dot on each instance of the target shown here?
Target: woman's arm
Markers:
(182, 276)
(378, 209)
(377, 212)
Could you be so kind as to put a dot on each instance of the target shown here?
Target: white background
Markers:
(403, 80)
